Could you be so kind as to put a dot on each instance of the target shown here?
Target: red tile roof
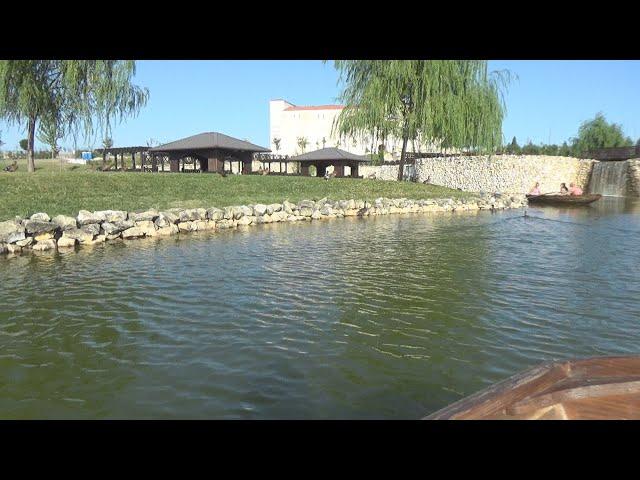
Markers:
(319, 107)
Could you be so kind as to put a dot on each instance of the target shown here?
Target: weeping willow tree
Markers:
(456, 103)
(76, 95)
(50, 133)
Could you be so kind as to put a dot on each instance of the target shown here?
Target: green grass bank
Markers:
(65, 189)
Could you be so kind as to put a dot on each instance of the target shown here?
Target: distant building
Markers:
(291, 123)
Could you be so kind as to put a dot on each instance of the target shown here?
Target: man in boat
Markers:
(574, 189)
(535, 190)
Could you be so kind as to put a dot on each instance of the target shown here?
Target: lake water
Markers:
(386, 317)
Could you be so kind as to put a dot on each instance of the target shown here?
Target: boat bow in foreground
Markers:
(603, 388)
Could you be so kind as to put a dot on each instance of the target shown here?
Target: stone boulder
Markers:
(133, 232)
(97, 239)
(246, 220)
(37, 227)
(11, 232)
(225, 223)
(86, 217)
(192, 214)
(166, 219)
(114, 228)
(187, 227)
(113, 216)
(92, 229)
(40, 217)
(44, 245)
(13, 248)
(215, 214)
(259, 209)
(65, 242)
(306, 211)
(227, 213)
(146, 216)
(77, 234)
(279, 216)
(25, 243)
(289, 207)
(64, 222)
(204, 225)
(171, 229)
(147, 227)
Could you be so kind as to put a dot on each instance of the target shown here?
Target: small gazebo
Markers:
(326, 157)
(212, 149)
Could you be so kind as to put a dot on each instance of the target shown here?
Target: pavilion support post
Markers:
(338, 170)
(247, 163)
(174, 165)
(154, 163)
(133, 160)
(304, 169)
(354, 170)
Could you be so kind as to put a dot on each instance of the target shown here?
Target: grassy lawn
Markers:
(65, 191)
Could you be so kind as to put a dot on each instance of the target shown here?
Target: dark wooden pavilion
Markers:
(211, 150)
(326, 157)
(115, 151)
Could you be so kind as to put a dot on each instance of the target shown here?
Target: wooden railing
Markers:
(616, 153)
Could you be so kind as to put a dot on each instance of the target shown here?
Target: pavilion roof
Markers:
(329, 153)
(209, 140)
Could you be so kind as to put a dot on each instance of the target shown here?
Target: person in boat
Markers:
(535, 190)
(575, 190)
(563, 189)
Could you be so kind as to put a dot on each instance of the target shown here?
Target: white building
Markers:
(293, 124)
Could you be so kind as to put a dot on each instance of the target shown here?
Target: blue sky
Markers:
(546, 104)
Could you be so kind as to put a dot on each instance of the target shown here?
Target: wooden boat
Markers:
(604, 388)
(565, 200)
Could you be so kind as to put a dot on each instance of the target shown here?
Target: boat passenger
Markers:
(563, 189)
(574, 189)
(535, 190)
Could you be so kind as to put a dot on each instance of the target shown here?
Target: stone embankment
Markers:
(40, 232)
(634, 177)
(494, 173)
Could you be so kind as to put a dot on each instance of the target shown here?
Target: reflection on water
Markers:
(387, 317)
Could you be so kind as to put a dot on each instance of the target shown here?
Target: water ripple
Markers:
(388, 317)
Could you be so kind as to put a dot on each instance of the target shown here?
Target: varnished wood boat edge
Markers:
(496, 392)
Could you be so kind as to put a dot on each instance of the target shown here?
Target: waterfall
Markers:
(609, 178)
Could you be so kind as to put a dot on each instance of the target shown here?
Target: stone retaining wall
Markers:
(494, 173)
(634, 176)
(40, 232)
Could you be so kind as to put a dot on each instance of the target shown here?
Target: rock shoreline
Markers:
(40, 232)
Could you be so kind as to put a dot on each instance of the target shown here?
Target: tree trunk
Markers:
(31, 134)
(104, 158)
(405, 139)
